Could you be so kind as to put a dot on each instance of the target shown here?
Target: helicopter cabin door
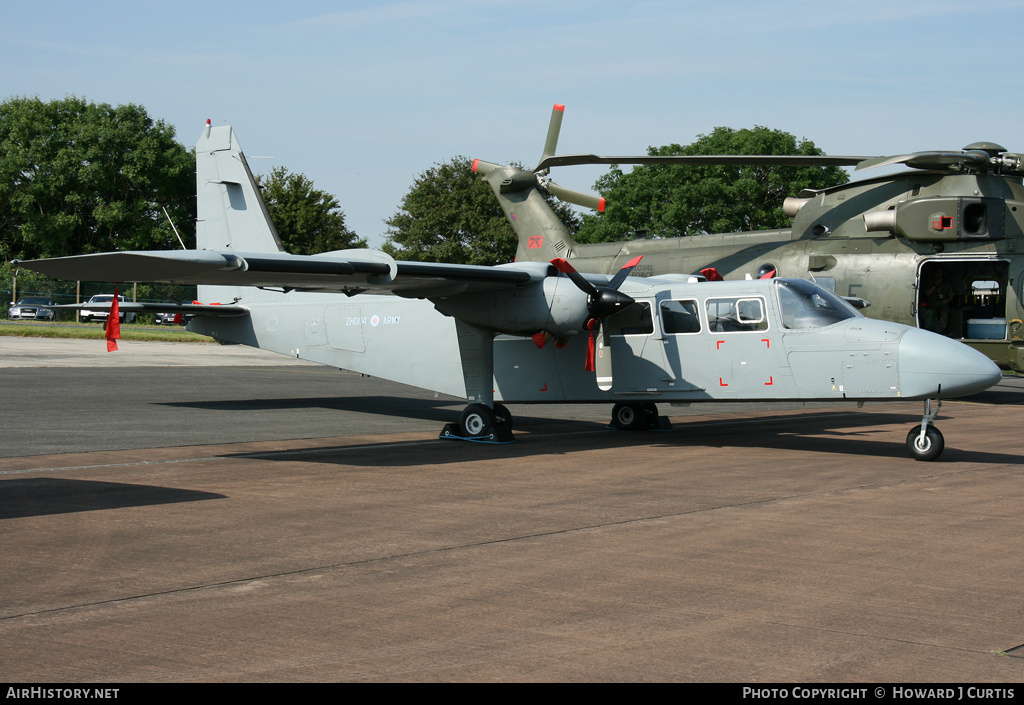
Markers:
(963, 298)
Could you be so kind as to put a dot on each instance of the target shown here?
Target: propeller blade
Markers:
(554, 127)
(582, 284)
(707, 159)
(579, 198)
(621, 275)
(603, 358)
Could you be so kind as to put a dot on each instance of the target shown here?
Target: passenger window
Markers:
(678, 317)
(736, 315)
(632, 320)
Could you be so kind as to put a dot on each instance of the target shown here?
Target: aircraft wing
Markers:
(196, 309)
(344, 271)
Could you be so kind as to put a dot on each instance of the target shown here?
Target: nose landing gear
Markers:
(925, 442)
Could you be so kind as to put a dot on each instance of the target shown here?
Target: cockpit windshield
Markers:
(806, 305)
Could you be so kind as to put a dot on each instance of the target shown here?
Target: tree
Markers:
(678, 200)
(450, 215)
(308, 220)
(79, 177)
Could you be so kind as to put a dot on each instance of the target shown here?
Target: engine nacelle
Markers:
(553, 304)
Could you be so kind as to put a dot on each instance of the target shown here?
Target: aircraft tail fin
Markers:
(230, 212)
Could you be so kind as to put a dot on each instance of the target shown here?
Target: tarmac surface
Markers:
(264, 522)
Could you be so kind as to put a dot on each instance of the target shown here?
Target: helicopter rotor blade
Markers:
(554, 127)
(929, 160)
(579, 198)
(707, 159)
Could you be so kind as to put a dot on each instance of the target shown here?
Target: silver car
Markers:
(100, 314)
(36, 308)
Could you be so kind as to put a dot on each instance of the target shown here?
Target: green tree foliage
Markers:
(79, 177)
(678, 200)
(307, 219)
(451, 215)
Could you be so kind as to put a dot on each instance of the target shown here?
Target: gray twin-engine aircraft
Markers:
(482, 333)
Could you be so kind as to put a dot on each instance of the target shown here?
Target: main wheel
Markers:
(477, 420)
(651, 410)
(629, 417)
(502, 417)
(928, 448)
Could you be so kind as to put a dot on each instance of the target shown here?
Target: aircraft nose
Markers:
(933, 366)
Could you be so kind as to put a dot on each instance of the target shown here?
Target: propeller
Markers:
(602, 302)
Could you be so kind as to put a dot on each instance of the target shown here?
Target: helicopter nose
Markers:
(933, 366)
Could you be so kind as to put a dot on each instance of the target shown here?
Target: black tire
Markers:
(928, 449)
(477, 420)
(651, 409)
(629, 417)
(502, 417)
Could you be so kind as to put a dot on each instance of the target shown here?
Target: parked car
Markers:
(100, 314)
(35, 307)
(167, 318)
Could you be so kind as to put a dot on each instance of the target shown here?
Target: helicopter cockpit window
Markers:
(805, 305)
(679, 317)
(736, 315)
(632, 320)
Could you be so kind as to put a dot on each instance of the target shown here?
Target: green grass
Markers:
(129, 331)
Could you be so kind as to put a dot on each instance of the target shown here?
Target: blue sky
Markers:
(362, 97)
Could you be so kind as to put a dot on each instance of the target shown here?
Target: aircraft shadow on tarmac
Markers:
(819, 434)
(425, 409)
(835, 432)
(1004, 395)
(41, 496)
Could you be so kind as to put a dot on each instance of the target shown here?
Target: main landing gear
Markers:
(480, 422)
(925, 442)
(635, 416)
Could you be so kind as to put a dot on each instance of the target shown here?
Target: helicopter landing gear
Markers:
(480, 422)
(925, 442)
(634, 416)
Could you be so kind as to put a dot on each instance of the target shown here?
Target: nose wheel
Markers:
(925, 442)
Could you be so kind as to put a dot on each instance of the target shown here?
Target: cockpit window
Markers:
(806, 305)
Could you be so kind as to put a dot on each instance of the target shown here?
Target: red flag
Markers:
(589, 367)
(113, 324)
(711, 274)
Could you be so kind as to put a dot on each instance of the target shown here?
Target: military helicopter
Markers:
(934, 246)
